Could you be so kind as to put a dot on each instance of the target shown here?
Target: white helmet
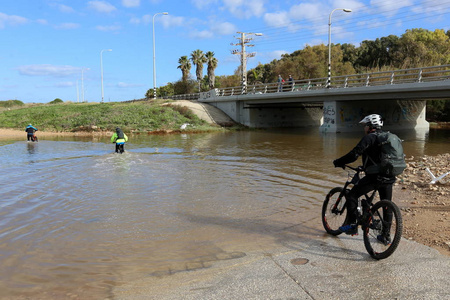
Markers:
(373, 120)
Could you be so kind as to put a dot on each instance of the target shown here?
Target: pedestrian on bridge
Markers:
(280, 83)
(291, 82)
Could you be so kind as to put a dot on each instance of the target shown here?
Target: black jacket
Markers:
(367, 147)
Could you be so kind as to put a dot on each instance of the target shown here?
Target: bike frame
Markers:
(362, 203)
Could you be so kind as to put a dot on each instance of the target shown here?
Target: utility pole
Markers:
(243, 42)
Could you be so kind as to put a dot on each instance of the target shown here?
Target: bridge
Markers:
(399, 96)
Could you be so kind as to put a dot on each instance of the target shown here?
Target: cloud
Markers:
(101, 6)
(204, 34)
(279, 19)
(48, 70)
(6, 20)
(201, 4)
(274, 54)
(131, 3)
(108, 28)
(245, 9)
(389, 8)
(68, 26)
(64, 84)
(42, 21)
(225, 28)
(308, 11)
(169, 21)
(65, 9)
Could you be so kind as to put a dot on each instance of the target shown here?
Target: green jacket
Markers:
(115, 140)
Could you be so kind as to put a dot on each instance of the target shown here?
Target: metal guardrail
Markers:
(415, 75)
(194, 96)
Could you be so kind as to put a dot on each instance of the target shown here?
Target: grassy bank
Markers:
(72, 117)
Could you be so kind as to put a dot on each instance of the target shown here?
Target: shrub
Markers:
(56, 101)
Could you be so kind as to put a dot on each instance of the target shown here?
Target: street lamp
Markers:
(347, 10)
(154, 56)
(82, 83)
(101, 66)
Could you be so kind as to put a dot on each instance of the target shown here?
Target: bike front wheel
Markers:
(383, 229)
(334, 212)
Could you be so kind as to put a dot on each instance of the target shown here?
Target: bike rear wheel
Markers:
(334, 212)
(383, 229)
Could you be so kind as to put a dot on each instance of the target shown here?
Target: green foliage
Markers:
(56, 101)
(438, 111)
(185, 67)
(167, 90)
(184, 87)
(142, 116)
(11, 103)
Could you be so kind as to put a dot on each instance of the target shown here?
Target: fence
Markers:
(415, 75)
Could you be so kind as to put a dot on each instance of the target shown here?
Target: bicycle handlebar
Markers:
(357, 169)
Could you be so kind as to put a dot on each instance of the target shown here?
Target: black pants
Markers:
(119, 148)
(30, 137)
(364, 186)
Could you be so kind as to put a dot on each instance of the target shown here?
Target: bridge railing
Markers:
(425, 74)
(414, 75)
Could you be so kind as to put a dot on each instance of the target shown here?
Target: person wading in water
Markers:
(119, 138)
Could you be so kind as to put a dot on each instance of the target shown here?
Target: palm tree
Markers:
(185, 67)
(198, 59)
(212, 65)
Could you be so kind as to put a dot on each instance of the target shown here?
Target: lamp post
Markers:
(82, 86)
(154, 56)
(347, 10)
(101, 66)
(82, 83)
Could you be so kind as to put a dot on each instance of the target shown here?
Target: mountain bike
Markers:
(381, 222)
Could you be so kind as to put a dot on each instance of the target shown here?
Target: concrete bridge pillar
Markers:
(344, 116)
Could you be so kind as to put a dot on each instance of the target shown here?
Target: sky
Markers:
(58, 48)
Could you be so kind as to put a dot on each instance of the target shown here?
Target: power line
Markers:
(402, 15)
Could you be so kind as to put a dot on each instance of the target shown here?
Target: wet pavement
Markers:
(323, 268)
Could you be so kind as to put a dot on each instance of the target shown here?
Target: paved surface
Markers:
(206, 112)
(324, 267)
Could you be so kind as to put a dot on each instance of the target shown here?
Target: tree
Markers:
(184, 87)
(421, 47)
(198, 59)
(212, 65)
(56, 101)
(185, 67)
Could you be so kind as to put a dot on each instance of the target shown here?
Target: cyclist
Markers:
(370, 150)
(30, 130)
(119, 138)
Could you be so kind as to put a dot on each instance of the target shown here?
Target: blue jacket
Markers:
(30, 129)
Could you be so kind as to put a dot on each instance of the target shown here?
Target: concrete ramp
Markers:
(206, 112)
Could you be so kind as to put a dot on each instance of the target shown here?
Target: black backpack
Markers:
(392, 158)
(120, 134)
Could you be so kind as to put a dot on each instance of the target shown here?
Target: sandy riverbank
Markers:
(425, 206)
(13, 133)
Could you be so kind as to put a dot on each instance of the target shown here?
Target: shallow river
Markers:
(77, 219)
